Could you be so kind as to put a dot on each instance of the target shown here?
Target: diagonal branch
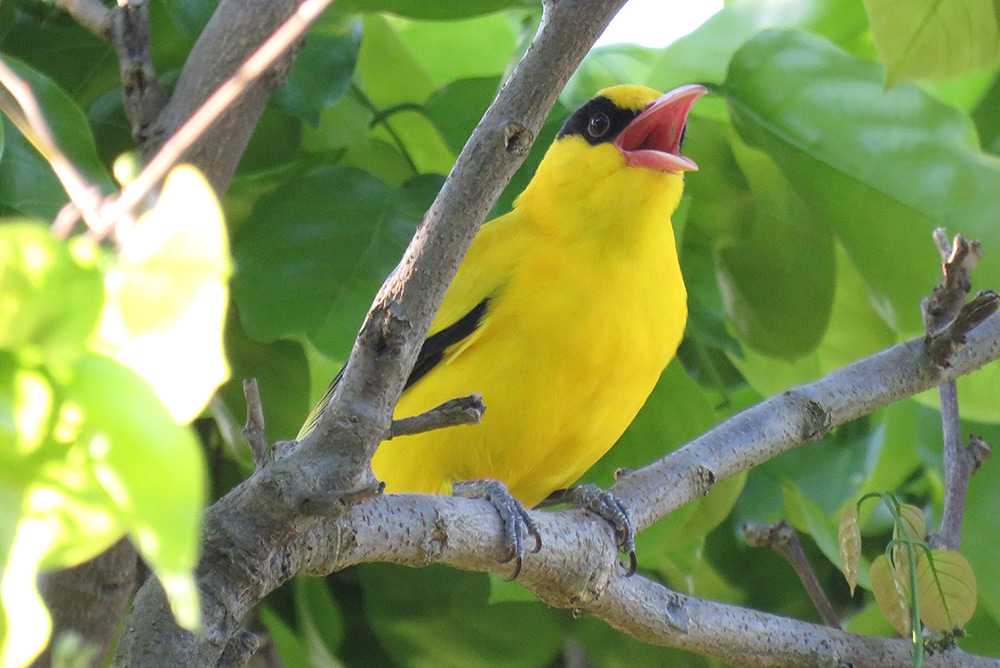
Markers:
(21, 106)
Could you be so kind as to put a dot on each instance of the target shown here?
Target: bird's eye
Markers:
(598, 125)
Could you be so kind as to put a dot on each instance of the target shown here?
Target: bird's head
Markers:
(619, 150)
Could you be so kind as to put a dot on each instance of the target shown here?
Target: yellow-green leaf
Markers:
(914, 527)
(913, 522)
(850, 545)
(933, 38)
(167, 296)
(946, 589)
(891, 595)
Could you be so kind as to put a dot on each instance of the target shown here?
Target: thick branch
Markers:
(797, 416)
(401, 316)
(89, 600)
(259, 523)
(235, 30)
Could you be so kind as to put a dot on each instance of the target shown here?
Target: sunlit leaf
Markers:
(27, 619)
(891, 595)
(946, 589)
(168, 293)
(914, 526)
(850, 545)
(491, 37)
(419, 9)
(933, 38)
(150, 468)
(48, 301)
(913, 523)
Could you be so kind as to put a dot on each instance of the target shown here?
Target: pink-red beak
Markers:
(653, 138)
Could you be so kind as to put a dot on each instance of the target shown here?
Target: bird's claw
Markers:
(617, 514)
(516, 520)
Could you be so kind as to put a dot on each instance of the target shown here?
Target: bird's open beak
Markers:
(653, 138)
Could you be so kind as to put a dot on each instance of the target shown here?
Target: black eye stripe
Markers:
(579, 121)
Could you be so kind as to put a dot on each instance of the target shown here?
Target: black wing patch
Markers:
(432, 352)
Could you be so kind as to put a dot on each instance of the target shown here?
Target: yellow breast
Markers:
(587, 308)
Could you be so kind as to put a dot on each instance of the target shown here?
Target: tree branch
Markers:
(21, 106)
(259, 523)
(88, 601)
(142, 94)
(253, 431)
(241, 89)
(784, 540)
(91, 14)
(452, 413)
(947, 319)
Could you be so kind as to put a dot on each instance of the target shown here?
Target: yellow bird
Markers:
(562, 315)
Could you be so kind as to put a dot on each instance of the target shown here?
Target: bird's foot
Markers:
(609, 507)
(516, 520)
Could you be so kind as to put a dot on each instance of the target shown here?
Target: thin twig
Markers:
(142, 94)
(213, 107)
(947, 319)
(91, 14)
(784, 540)
(253, 432)
(22, 108)
(452, 413)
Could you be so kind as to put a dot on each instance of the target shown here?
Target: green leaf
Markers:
(456, 108)
(48, 301)
(312, 255)
(604, 67)
(191, 16)
(76, 60)
(946, 589)
(320, 619)
(704, 54)
(777, 281)
(434, 46)
(290, 647)
(891, 594)
(806, 516)
(854, 331)
(880, 169)
(150, 468)
(167, 295)
(933, 38)
(609, 648)
(435, 11)
(439, 617)
(25, 184)
(323, 67)
(282, 374)
(391, 74)
(273, 144)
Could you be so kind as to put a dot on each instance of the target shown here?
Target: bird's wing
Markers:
(480, 280)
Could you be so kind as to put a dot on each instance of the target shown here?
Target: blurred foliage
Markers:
(839, 134)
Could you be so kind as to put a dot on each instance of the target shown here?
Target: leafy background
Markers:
(838, 135)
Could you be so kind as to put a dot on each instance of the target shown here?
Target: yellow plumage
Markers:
(586, 307)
